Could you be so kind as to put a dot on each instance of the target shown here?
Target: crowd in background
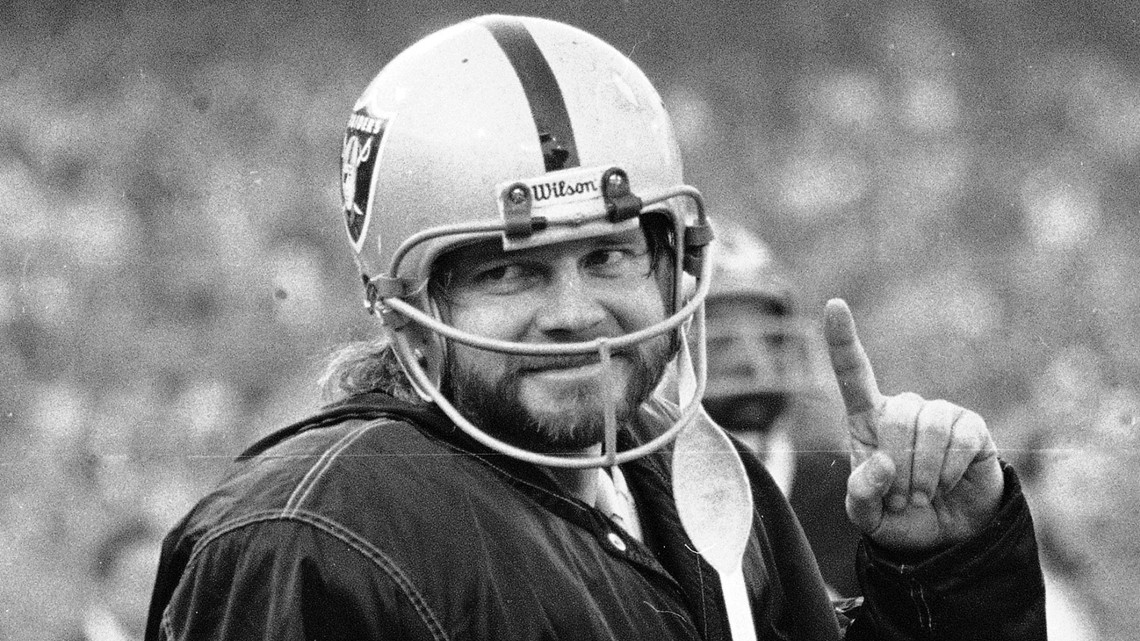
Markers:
(173, 266)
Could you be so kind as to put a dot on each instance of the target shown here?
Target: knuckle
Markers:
(972, 423)
(943, 407)
(903, 408)
(970, 430)
(939, 415)
(977, 420)
(910, 397)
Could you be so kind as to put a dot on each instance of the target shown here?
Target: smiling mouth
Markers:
(561, 363)
(569, 363)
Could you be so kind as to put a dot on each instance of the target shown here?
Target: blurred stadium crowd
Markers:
(172, 268)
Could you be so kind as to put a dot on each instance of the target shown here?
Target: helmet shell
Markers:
(745, 267)
(489, 101)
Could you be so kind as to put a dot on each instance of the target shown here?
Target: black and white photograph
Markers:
(569, 320)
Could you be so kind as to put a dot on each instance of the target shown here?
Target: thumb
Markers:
(866, 488)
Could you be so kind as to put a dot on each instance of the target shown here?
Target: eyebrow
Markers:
(481, 250)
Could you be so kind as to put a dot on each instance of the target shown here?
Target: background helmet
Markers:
(758, 344)
(506, 127)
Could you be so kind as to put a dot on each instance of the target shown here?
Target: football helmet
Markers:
(525, 130)
(758, 347)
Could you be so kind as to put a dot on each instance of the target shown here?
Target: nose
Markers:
(571, 309)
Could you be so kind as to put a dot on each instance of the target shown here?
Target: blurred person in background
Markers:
(122, 572)
(761, 366)
(1079, 444)
(497, 464)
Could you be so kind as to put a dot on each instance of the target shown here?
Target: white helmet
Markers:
(516, 128)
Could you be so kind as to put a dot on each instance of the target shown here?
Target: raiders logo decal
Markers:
(357, 165)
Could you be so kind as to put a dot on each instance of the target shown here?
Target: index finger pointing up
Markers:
(848, 359)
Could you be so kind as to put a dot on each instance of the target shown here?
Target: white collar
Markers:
(615, 499)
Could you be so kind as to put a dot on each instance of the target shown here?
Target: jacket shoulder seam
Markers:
(322, 465)
(360, 545)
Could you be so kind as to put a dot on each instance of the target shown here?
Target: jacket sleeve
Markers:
(989, 587)
(285, 581)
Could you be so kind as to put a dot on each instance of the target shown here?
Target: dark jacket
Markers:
(374, 520)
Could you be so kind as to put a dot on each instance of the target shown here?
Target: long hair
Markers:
(365, 366)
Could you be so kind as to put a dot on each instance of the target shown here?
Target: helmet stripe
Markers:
(547, 105)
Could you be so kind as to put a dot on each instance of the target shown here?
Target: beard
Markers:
(499, 409)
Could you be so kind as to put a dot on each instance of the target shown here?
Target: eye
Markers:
(619, 262)
(504, 278)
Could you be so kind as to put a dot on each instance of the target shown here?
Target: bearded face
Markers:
(555, 405)
(566, 293)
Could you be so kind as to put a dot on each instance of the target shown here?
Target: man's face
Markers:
(749, 368)
(565, 293)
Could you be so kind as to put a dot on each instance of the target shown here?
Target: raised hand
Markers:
(924, 474)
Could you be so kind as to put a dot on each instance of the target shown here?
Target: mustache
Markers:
(520, 363)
